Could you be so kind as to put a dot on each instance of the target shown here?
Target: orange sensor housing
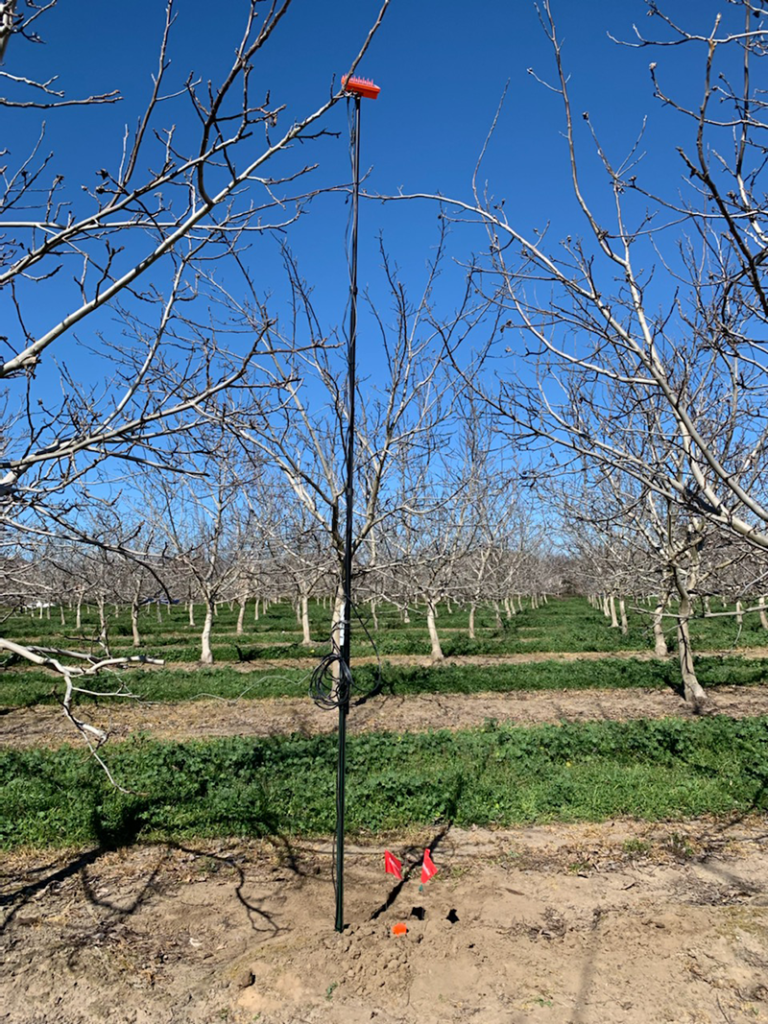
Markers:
(360, 86)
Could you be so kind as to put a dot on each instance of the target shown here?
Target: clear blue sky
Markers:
(441, 67)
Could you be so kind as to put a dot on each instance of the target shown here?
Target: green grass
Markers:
(26, 688)
(494, 775)
(567, 624)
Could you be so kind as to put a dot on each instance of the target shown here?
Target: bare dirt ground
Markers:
(621, 923)
(618, 923)
(46, 726)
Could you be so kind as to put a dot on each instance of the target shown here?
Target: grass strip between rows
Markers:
(493, 775)
(31, 687)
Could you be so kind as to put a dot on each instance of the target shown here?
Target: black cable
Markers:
(332, 683)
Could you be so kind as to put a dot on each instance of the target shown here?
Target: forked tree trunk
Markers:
(434, 639)
(694, 693)
(659, 640)
(206, 654)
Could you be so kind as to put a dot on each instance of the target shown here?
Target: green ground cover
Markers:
(29, 687)
(494, 775)
(561, 625)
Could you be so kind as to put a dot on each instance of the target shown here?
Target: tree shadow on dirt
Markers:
(259, 918)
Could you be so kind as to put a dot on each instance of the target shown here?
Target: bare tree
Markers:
(128, 257)
(649, 300)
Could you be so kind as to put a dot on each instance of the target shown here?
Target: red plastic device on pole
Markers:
(360, 86)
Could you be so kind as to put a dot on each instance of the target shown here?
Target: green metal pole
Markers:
(345, 675)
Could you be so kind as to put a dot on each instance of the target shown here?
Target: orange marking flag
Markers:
(393, 866)
(428, 869)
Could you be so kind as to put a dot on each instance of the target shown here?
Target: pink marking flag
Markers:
(393, 866)
(428, 869)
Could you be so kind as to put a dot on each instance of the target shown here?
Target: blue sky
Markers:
(442, 68)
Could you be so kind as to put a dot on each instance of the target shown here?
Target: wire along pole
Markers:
(358, 87)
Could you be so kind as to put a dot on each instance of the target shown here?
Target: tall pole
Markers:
(357, 87)
(345, 676)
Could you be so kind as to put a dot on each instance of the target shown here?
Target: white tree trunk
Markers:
(472, 622)
(206, 654)
(739, 613)
(763, 616)
(659, 641)
(694, 693)
(241, 616)
(135, 624)
(306, 639)
(191, 610)
(623, 614)
(256, 609)
(434, 639)
(612, 610)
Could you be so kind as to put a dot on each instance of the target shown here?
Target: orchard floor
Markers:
(589, 924)
(205, 718)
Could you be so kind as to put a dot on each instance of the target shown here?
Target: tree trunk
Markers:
(241, 615)
(61, 615)
(694, 693)
(79, 614)
(256, 609)
(206, 654)
(158, 613)
(103, 628)
(406, 616)
(191, 613)
(739, 613)
(434, 639)
(659, 641)
(135, 623)
(763, 616)
(306, 638)
(623, 614)
(612, 610)
(374, 616)
(472, 622)
(497, 614)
